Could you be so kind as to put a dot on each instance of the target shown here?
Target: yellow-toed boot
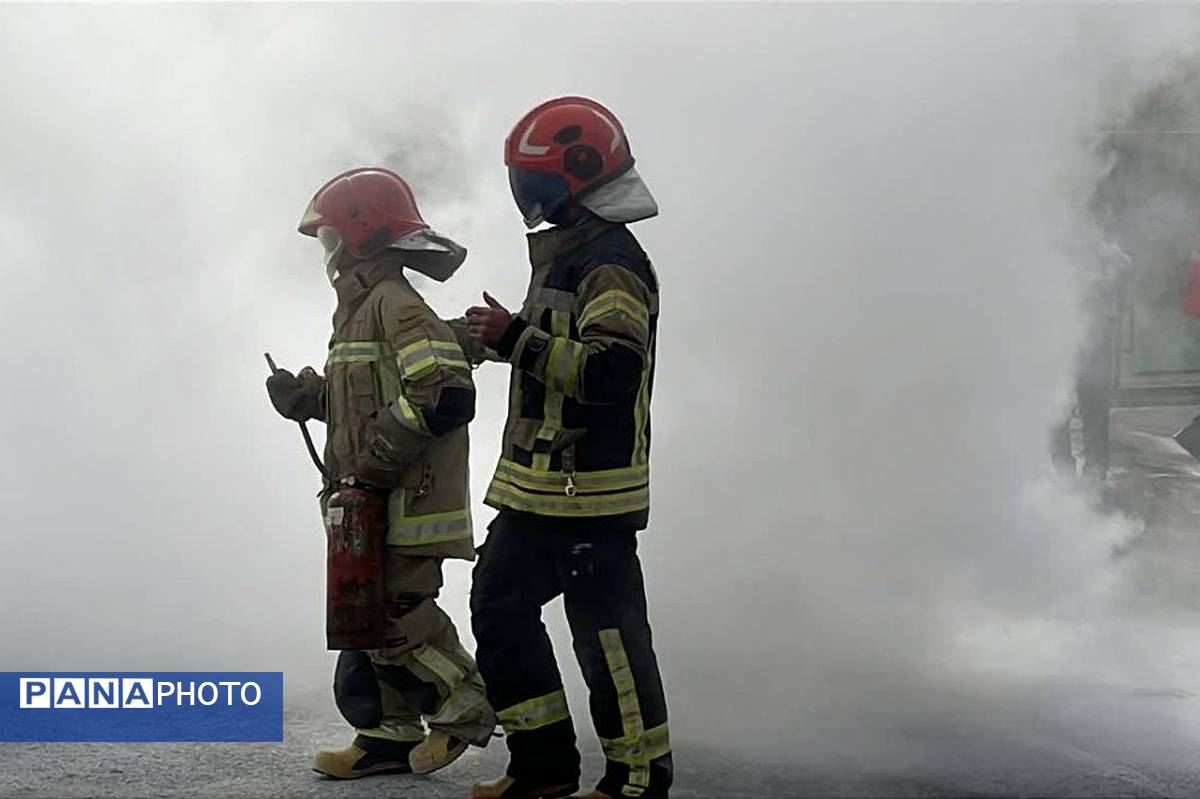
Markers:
(365, 757)
(438, 750)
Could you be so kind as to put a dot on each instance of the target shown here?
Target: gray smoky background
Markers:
(874, 248)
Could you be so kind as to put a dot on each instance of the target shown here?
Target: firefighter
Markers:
(572, 484)
(396, 398)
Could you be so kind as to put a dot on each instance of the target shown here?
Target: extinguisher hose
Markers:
(308, 442)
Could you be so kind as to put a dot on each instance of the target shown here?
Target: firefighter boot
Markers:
(437, 751)
(509, 788)
(365, 757)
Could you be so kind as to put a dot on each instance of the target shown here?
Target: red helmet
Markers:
(370, 208)
(562, 149)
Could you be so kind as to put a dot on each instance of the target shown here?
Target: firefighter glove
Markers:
(297, 397)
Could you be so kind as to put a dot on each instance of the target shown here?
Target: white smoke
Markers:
(870, 316)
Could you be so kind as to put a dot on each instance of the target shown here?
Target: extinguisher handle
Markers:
(308, 442)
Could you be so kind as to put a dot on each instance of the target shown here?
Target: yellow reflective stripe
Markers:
(356, 351)
(504, 494)
(409, 416)
(585, 482)
(563, 362)
(429, 528)
(460, 706)
(622, 677)
(446, 670)
(405, 733)
(419, 357)
(641, 413)
(389, 379)
(627, 700)
(560, 328)
(535, 713)
(615, 301)
(637, 750)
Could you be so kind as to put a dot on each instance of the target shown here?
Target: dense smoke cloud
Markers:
(871, 307)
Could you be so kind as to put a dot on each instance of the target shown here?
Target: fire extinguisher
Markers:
(356, 529)
(356, 532)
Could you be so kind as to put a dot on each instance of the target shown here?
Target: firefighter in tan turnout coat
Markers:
(396, 397)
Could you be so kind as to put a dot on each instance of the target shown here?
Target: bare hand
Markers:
(487, 325)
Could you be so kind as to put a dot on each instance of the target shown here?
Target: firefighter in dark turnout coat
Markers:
(572, 484)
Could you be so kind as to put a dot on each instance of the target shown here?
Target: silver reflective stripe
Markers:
(449, 673)
(429, 528)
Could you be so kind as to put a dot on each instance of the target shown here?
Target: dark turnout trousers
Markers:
(527, 561)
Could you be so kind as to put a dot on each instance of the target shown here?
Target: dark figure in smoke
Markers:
(1094, 378)
(1146, 207)
(396, 397)
(572, 485)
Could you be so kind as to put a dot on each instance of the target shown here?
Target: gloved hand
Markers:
(297, 397)
(388, 449)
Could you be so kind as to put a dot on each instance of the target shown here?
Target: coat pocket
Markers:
(363, 388)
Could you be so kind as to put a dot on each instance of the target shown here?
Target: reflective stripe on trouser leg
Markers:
(401, 721)
(638, 746)
(463, 710)
(532, 714)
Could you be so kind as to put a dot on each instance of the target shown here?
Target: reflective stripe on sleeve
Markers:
(615, 301)
(532, 714)
(404, 413)
(424, 355)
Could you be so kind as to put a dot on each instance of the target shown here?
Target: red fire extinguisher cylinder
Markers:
(356, 531)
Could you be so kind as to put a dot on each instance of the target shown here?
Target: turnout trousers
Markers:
(526, 561)
(422, 676)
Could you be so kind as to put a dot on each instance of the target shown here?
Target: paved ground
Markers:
(1098, 742)
(983, 761)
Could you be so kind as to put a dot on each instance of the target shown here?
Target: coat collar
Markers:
(546, 246)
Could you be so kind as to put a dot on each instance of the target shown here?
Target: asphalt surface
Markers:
(1108, 742)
